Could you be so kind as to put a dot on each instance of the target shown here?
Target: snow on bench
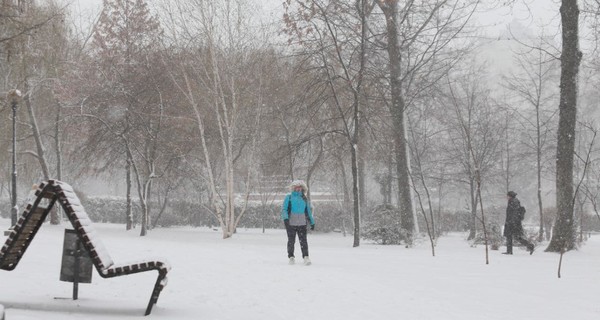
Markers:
(35, 214)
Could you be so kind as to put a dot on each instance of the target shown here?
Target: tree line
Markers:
(380, 102)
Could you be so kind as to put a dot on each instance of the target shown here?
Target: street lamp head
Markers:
(14, 95)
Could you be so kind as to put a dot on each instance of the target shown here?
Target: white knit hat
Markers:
(298, 183)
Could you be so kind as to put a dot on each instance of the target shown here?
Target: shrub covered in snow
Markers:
(494, 235)
(382, 225)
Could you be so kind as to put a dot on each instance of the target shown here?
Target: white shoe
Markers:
(292, 261)
(307, 261)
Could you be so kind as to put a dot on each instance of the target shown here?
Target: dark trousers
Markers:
(523, 241)
(291, 233)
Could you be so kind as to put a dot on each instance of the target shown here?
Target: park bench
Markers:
(46, 195)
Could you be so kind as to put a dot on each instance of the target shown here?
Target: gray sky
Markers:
(528, 12)
(533, 14)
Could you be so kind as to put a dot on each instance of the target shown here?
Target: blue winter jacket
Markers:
(300, 209)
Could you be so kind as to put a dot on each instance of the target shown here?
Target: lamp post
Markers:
(14, 96)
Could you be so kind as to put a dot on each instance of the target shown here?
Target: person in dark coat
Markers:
(513, 229)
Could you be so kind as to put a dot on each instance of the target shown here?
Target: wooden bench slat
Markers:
(45, 195)
(10, 260)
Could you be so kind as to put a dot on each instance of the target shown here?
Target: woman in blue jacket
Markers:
(295, 212)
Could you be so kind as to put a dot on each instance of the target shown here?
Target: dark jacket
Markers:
(512, 224)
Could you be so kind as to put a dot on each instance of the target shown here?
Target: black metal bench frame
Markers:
(36, 212)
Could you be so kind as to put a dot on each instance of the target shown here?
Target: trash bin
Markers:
(76, 264)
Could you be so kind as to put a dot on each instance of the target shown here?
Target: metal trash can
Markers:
(76, 264)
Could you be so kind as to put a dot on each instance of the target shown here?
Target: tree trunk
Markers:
(563, 233)
(386, 181)
(216, 208)
(346, 193)
(485, 234)
(355, 138)
(472, 166)
(40, 150)
(439, 208)
(141, 187)
(128, 210)
(143, 190)
(539, 175)
(312, 167)
(356, 195)
(473, 217)
(58, 149)
(290, 151)
(397, 112)
(507, 140)
(57, 144)
(38, 139)
(148, 196)
(361, 169)
(144, 213)
(163, 207)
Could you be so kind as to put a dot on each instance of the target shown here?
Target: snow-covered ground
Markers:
(247, 277)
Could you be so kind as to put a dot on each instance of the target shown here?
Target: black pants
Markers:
(518, 237)
(291, 233)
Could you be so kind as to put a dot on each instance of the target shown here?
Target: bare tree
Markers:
(129, 100)
(215, 75)
(475, 134)
(35, 41)
(534, 84)
(424, 131)
(416, 34)
(340, 51)
(16, 20)
(563, 233)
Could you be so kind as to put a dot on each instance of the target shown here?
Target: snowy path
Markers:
(247, 277)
